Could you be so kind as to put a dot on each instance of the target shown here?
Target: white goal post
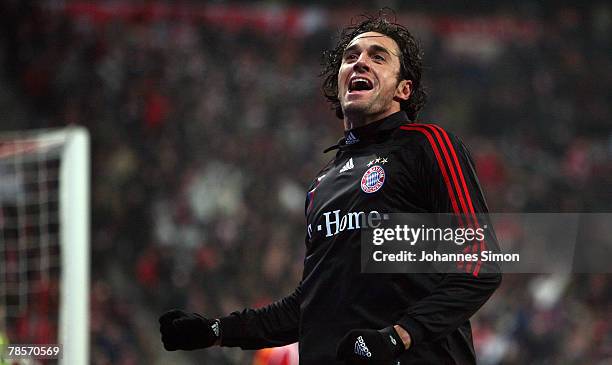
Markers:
(74, 237)
(48, 170)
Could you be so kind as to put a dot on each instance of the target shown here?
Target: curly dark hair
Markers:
(411, 60)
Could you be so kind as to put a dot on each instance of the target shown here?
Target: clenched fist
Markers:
(181, 330)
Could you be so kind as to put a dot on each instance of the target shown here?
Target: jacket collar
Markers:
(372, 131)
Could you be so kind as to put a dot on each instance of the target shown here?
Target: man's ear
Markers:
(403, 90)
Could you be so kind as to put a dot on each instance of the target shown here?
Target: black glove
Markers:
(187, 331)
(365, 346)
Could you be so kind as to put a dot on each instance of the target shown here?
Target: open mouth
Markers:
(359, 84)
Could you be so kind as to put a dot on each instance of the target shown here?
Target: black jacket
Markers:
(423, 169)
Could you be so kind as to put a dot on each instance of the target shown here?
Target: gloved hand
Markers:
(366, 346)
(187, 331)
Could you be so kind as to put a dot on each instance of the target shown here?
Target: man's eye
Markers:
(378, 57)
(350, 57)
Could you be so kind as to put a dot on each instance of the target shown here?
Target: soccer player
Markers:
(388, 164)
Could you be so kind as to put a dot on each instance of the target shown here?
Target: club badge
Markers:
(373, 179)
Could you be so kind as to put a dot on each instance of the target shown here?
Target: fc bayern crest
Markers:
(373, 179)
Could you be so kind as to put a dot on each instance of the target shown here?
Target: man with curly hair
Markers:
(384, 164)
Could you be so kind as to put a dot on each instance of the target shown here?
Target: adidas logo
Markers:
(351, 139)
(361, 349)
(347, 166)
(215, 328)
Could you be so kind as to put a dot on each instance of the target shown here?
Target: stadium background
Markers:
(207, 124)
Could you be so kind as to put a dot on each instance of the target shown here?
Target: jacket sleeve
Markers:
(451, 186)
(271, 326)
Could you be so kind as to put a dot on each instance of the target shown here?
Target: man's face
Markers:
(368, 77)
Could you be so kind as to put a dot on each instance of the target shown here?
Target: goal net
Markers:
(44, 240)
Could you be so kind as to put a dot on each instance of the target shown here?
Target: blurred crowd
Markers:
(205, 135)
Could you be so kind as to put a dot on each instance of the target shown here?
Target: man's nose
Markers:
(362, 64)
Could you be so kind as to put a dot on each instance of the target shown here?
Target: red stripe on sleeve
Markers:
(447, 182)
(450, 163)
(465, 191)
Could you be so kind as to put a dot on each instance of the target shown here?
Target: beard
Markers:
(376, 104)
